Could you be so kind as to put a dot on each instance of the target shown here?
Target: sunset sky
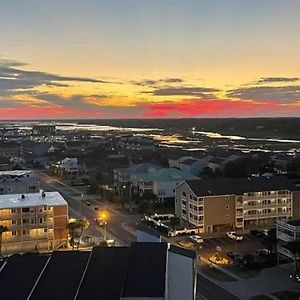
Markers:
(149, 58)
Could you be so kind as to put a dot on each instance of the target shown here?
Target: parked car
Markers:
(233, 255)
(218, 260)
(232, 235)
(196, 238)
(262, 252)
(259, 233)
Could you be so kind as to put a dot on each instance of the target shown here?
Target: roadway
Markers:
(119, 227)
(207, 290)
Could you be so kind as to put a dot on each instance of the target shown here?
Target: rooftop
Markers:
(239, 186)
(31, 199)
(15, 173)
(112, 273)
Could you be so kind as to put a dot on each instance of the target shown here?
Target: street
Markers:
(78, 208)
(207, 290)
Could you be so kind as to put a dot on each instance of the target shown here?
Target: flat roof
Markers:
(15, 173)
(295, 223)
(31, 199)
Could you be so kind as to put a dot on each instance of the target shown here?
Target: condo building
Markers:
(35, 222)
(223, 204)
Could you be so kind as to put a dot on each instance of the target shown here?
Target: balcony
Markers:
(285, 252)
(267, 215)
(284, 237)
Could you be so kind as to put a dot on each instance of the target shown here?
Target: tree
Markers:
(248, 261)
(294, 247)
(82, 225)
(72, 227)
(2, 230)
(174, 222)
(270, 241)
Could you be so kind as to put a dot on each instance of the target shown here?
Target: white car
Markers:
(232, 235)
(196, 238)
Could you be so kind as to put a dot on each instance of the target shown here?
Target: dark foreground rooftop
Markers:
(103, 273)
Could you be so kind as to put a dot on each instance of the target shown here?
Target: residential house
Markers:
(19, 181)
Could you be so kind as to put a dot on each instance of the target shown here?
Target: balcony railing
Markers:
(267, 215)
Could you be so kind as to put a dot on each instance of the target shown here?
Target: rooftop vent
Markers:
(43, 194)
(22, 196)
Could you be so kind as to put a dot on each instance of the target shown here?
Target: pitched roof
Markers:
(167, 174)
(238, 186)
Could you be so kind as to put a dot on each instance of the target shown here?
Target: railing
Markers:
(267, 215)
(284, 237)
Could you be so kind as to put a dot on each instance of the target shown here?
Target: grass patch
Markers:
(216, 274)
(287, 295)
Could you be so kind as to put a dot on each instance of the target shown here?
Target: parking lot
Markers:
(223, 244)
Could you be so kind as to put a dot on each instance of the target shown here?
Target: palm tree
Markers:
(294, 247)
(72, 227)
(83, 224)
(2, 229)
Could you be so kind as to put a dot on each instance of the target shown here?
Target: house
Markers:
(70, 167)
(35, 221)
(19, 181)
(162, 182)
(125, 176)
(223, 204)
(189, 164)
(141, 271)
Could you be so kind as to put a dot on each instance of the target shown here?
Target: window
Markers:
(227, 206)
(25, 209)
(25, 232)
(184, 212)
(227, 216)
(32, 221)
(25, 221)
(14, 233)
(45, 230)
(13, 222)
(184, 194)
(13, 210)
(41, 220)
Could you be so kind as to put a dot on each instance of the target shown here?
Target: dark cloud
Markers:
(154, 83)
(13, 78)
(277, 79)
(75, 102)
(201, 92)
(285, 94)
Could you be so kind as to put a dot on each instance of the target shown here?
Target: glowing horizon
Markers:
(149, 59)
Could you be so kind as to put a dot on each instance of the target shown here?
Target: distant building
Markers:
(162, 182)
(124, 176)
(224, 204)
(141, 271)
(189, 164)
(287, 232)
(43, 130)
(18, 181)
(68, 167)
(35, 221)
